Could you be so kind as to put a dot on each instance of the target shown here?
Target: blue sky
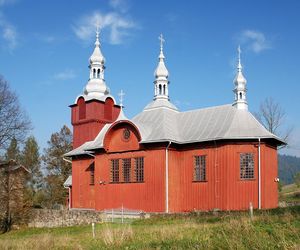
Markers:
(45, 46)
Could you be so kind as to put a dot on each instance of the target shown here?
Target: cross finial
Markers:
(97, 29)
(239, 66)
(121, 95)
(162, 40)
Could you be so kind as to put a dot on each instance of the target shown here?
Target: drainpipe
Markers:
(167, 178)
(259, 175)
(69, 198)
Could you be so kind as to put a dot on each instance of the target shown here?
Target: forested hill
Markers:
(288, 166)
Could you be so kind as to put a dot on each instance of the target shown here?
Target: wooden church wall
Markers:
(187, 194)
(223, 188)
(83, 195)
(147, 196)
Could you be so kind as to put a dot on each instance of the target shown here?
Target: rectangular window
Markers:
(115, 172)
(139, 169)
(200, 168)
(127, 170)
(92, 174)
(246, 166)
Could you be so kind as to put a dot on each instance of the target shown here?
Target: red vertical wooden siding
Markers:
(83, 195)
(147, 196)
(97, 114)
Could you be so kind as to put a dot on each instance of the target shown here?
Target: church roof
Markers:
(68, 182)
(207, 124)
(201, 125)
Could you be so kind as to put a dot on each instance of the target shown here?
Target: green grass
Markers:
(290, 194)
(273, 229)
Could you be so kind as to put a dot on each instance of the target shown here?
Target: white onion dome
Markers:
(96, 87)
(97, 56)
(239, 78)
(161, 70)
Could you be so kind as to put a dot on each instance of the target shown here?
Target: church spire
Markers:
(161, 75)
(240, 90)
(96, 85)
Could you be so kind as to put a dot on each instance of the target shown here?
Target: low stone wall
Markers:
(58, 218)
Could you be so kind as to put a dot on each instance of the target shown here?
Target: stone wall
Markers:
(58, 218)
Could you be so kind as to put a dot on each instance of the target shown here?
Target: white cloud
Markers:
(9, 33)
(121, 5)
(254, 40)
(65, 75)
(117, 26)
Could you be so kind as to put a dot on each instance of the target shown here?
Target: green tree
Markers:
(58, 170)
(30, 158)
(13, 151)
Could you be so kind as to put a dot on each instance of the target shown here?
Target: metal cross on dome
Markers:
(239, 52)
(162, 40)
(97, 29)
(121, 95)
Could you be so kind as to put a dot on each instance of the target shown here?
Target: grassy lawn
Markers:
(274, 229)
(290, 193)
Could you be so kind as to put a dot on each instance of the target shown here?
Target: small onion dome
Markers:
(239, 78)
(97, 57)
(161, 70)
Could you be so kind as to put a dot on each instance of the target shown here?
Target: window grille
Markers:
(139, 169)
(127, 170)
(200, 168)
(115, 172)
(246, 166)
(92, 174)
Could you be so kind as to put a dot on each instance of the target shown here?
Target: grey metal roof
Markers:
(68, 182)
(214, 123)
(81, 150)
(160, 103)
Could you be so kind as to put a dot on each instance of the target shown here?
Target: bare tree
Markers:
(14, 123)
(272, 116)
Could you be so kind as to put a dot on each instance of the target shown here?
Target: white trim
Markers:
(167, 178)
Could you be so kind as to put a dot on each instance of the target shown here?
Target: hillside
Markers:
(288, 166)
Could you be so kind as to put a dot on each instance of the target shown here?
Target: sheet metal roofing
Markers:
(68, 182)
(214, 123)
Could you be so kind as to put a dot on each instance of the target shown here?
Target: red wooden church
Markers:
(164, 160)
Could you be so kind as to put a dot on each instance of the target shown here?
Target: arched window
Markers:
(164, 89)
(94, 73)
(159, 89)
(241, 95)
(82, 108)
(98, 73)
(108, 109)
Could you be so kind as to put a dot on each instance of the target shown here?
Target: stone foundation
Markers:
(59, 218)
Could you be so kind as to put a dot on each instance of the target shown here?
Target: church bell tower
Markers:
(95, 107)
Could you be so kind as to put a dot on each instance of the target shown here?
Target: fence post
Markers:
(93, 229)
(251, 210)
(112, 215)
